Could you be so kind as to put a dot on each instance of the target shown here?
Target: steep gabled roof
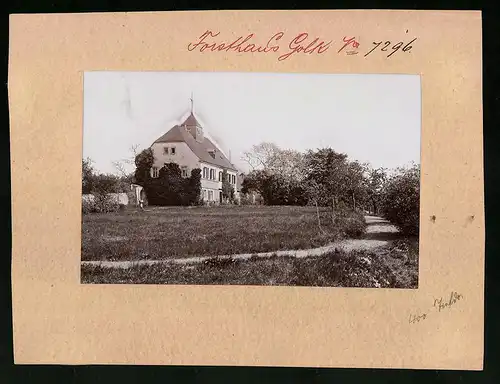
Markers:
(178, 134)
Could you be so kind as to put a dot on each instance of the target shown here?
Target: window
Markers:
(220, 176)
(184, 171)
(205, 172)
(204, 194)
(154, 172)
(172, 151)
(234, 179)
(165, 150)
(212, 174)
(210, 195)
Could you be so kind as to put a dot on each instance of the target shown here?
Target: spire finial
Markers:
(192, 102)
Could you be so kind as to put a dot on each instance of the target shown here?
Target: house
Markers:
(186, 145)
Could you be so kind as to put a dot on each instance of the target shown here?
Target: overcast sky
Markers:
(372, 118)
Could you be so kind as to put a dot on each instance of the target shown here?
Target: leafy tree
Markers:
(103, 184)
(327, 171)
(167, 188)
(194, 187)
(143, 162)
(355, 183)
(87, 175)
(274, 188)
(227, 188)
(401, 199)
(375, 182)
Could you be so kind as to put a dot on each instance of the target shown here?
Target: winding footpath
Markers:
(378, 234)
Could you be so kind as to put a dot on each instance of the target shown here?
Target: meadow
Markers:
(167, 233)
(176, 232)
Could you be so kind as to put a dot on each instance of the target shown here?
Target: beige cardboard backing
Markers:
(58, 320)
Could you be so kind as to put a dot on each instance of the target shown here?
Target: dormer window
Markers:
(212, 153)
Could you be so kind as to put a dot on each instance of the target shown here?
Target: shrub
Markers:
(353, 224)
(171, 189)
(245, 199)
(401, 199)
(101, 203)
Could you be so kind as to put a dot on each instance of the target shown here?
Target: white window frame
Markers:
(205, 172)
(184, 171)
(173, 151)
(210, 195)
(155, 172)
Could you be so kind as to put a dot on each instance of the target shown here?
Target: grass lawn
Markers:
(167, 232)
(395, 266)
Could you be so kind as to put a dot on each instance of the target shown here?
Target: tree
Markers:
(355, 182)
(274, 188)
(401, 199)
(167, 188)
(143, 162)
(87, 175)
(327, 171)
(227, 188)
(261, 156)
(103, 184)
(316, 193)
(194, 187)
(375, 182)
(269, 157)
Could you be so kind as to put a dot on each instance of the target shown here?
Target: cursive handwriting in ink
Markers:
(303, 43)
(241, 44)
(384, 45)
(350, 42)
(298, 44)
(441, 304)
(417, 318)
(438, 305)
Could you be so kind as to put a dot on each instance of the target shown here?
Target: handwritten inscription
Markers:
(302, 43)
(386, 45)
(351, 43)
(286, 47)
(439, 305)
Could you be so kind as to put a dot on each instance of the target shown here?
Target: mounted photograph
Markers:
(269, 179)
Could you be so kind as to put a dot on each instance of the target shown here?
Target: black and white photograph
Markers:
(263, 179)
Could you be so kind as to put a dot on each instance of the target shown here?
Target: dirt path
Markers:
(378, 233)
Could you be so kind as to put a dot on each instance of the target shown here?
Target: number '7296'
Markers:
(385, 46)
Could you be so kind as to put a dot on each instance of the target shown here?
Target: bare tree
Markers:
(287, 163)
(121, 165)
(261, 155)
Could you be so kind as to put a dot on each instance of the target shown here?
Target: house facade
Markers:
(186, 145)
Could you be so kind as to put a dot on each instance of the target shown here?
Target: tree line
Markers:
(326, 178)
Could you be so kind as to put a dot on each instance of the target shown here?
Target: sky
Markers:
(371, 118)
